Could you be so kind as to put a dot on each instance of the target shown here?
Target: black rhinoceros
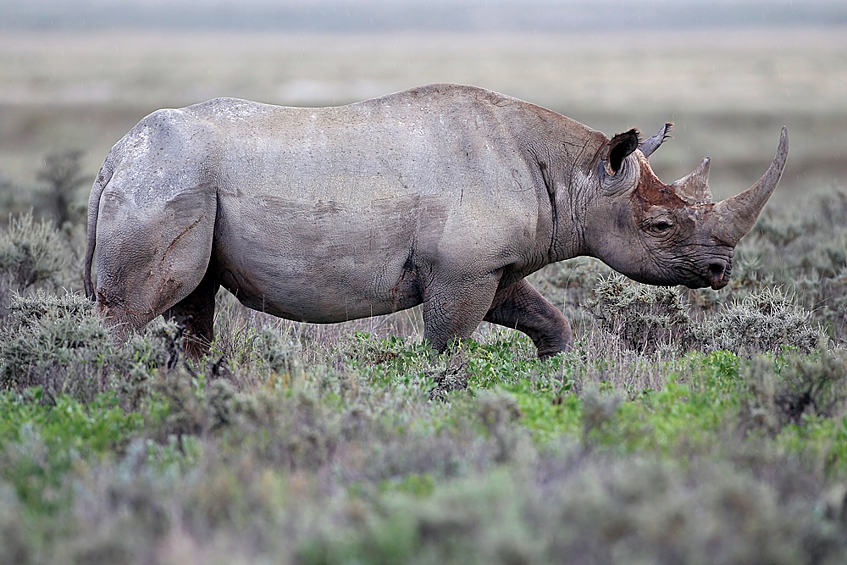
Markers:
(444, 195)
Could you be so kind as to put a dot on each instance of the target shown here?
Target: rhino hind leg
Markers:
(196, 314)
(521, 307)
(151, 258)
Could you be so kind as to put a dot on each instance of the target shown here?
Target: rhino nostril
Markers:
(716, 269)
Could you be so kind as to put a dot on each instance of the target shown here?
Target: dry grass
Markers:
(728, 91)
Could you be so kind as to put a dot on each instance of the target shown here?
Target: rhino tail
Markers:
(103, 178)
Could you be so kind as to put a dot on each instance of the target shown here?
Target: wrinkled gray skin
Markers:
(446, 196)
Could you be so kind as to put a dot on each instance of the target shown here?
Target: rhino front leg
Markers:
(521, 307)
(454, 309)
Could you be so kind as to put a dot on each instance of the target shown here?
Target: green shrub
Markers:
(60, 344)
(56, 342)
(453, 377)
(278, 353)
(767, 320)
(598, 409)
(647, 318)
(194, 405)
(592, 510)
(795, 389)
(802, 247)
(32, 253)
(41, 443)
(643, 317)
(16, 540)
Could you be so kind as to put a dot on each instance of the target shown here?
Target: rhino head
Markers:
(668, 234)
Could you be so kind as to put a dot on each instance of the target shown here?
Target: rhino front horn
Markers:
(737, 215)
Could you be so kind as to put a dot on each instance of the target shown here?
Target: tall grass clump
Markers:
(32, 253)
(62, 175)
(51, 341)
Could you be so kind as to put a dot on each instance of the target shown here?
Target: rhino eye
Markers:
(660, 226)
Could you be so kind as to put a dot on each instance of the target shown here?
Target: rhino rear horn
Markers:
(737, 215)
(694, 188)
(653, 142)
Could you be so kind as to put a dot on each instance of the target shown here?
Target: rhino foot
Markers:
(521, 307)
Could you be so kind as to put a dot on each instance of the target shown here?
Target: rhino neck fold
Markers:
(564, 172)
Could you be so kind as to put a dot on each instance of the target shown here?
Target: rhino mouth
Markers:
(717, 274)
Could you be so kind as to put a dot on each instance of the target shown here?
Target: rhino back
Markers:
(330, 214)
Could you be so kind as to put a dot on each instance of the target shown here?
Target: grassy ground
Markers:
(685, 427)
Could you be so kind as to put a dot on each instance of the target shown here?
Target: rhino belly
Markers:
(316, 262)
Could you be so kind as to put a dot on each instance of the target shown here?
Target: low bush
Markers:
(684, 427)
(32, 253)
(795, 389)
(765, 320)
(647, 318)
(642, 317)
(59, 344)
(62, 174)
(49, 338)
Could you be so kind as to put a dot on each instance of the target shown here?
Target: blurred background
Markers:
(75, 76)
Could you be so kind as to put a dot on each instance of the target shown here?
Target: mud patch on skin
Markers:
(179, 236)
(653, 192)
(106, 300)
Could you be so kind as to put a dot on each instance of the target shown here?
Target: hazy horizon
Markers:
(367, 16)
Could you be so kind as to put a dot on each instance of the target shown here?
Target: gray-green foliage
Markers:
(278, 353)
(32, 253)
(352, 462)
(763, 320)
(645, 318)
(48, 336)
(801, 387)
(804, 247)
(60, 344)
(63, 176)
(299, 445)
(592, 509)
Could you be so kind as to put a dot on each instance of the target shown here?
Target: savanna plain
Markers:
(684, 427)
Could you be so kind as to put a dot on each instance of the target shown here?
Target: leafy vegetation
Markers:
(684, 427)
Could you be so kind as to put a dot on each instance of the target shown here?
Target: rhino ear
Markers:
(619, 148)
